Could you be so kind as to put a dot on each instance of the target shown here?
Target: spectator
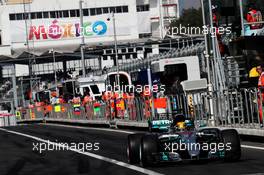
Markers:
(261, 93)
(254, 15)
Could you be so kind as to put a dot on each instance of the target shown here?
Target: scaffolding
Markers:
(190, 49)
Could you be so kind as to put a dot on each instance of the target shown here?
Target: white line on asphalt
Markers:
(252, 147)
(106, 159)
(89, 128)
(254, 174)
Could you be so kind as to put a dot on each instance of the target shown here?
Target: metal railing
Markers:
(189, 50)
(232, 108)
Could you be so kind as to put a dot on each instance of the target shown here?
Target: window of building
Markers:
(33, 15)
(123, 50)
(52, 14)
(45, 14)
(130, 50)
(98, 11)
(112, 9)
(85, 12)
(39, 67)
(142, 8)
(92, 12)
(147, 7)
(139, 8)
(73, 13)
(78, 13)
(25, 16)
(60, 65)
(127, 56)
(108, 51)
(105, 58)
(139, 49)
(39, 15)
(12, 17)
(65, 14)
(19, 16)
(125, 9)
(119, 9)
(105, 10)
(45, 67)
(59, 14)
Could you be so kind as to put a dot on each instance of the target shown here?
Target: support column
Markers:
(64, 66)
(14, 86)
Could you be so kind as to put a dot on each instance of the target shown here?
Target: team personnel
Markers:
(261, 93)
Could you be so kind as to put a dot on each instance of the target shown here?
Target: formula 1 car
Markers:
(177, 139)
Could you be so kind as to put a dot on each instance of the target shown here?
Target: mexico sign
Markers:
(58, 30)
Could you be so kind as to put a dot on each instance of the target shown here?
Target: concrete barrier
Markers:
(248, 131)
(130, 124)
(89, 122)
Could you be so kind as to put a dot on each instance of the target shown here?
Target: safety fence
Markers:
(129, 109)
(7, 119)
(233, 108)
(241, 108)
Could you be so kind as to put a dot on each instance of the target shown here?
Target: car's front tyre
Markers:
(133, 147)
(148, 150)
(231, 138)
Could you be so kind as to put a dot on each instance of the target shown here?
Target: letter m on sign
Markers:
(37, 32)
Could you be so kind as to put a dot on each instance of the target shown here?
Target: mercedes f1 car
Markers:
(177, 140)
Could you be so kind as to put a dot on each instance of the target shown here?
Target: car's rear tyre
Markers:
(148, 150)
(231, 138)
(133, 147)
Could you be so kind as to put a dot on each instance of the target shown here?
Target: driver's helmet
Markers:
(179, 121)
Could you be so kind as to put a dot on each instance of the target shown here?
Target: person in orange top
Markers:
(261, 93)
(125, 96)
(87, 99)
(46, 110)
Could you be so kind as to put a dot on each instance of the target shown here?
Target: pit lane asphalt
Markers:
(17, 157)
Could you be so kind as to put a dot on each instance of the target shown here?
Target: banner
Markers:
(40, 30)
